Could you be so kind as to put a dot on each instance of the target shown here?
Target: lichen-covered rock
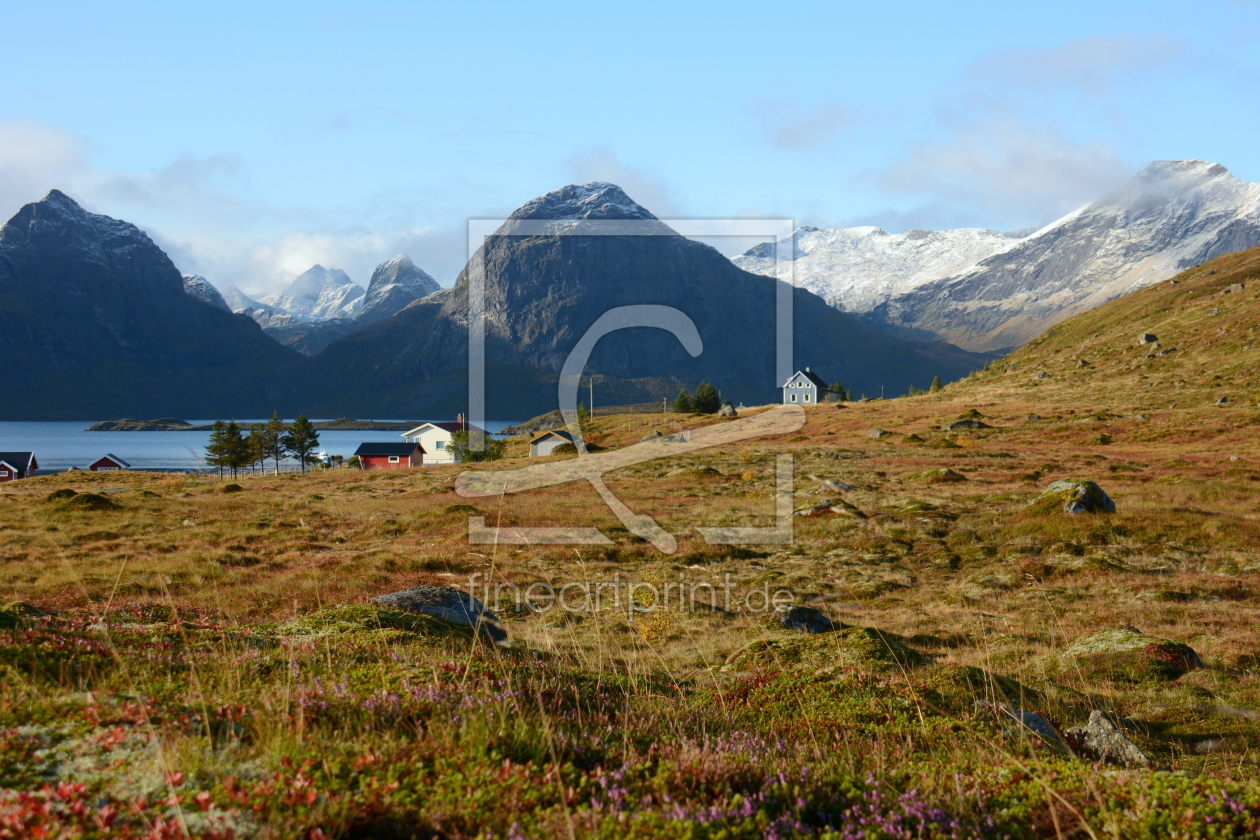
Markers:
(832, 507)
(19, 614)
(877, 433)
(1101, 740)
(959, 425)
(1128, 655)
(941, 475)
(802, 619)
(1073, 496)
(447, 604)
(727, 410)
(864, 648)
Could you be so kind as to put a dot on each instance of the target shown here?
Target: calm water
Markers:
(61, 444)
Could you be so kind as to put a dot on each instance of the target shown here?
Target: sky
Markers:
(252, 140)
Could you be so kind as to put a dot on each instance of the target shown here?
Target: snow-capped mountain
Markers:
(395, 284)
(857, 269)
(989, 292)
(318, 294)
(1172, 215)
(199, 287)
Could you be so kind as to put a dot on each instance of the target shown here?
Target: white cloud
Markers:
(791, 127)
(35, 158)
(1090, 66)
(601, 164)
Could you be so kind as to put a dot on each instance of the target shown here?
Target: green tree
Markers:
(463, 442)
(583, 417)
(254, 447)
(937, 384)
(301, 440)
(707, 399)
(272, 434)
(683, 403)
(217, 447)
(841, 393)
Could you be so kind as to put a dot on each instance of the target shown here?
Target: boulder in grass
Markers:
(1102, 740)
(862, 648)
(1073, 496)
(802, 619)
(960, 425)
(727, 410)
(1124, 654)
(447, 604)
(1147, 338)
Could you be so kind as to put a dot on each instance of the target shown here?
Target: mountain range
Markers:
(988, 292)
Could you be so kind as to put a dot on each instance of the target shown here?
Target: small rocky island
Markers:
(174, 424)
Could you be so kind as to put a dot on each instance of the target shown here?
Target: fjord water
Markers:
(61, 444)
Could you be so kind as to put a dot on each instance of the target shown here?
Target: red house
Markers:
(389, 456)
(15, 465)
(109, 463)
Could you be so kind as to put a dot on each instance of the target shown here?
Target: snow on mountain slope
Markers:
(318, 294)
(395, 284)
(199, 287)
(857, 269)
(1171, 216)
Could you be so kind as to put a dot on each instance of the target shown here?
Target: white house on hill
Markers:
(807, 388)
(435, 438)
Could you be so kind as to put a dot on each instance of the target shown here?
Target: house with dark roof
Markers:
(15, 465)
(436, 439)
(545, 443)
(389, 456)
(807, 388)
(108, 463)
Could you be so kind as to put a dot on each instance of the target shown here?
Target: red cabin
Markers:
(109, 463)
(389, 456)
(15, 465)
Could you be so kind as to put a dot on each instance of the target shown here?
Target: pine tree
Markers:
(937, 385)
(236, 454)
(254, 446)
(272, 433)
(583, 417)
(707, 400)
(216, 448)
(301, 440)
(683, 403)
(841, 394)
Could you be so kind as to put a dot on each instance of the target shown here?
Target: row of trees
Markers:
(706, 401)
(230, 448)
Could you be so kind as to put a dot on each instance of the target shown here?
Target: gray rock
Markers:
(1140, 417)
(958, 425)
(1233, 288)
(1222, 400)
(1033, 417)
(1080, 363)
(1041, 374)
(1078, 496)
(877, 433)
(1028, 722)
(1147, 338)
(802, 619)
(1103, 741)
(448, 604)
(651, 436)
(727, 410)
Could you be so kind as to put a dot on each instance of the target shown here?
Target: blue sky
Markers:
(254, 139)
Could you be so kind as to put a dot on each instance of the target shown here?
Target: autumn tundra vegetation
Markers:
(965, 648)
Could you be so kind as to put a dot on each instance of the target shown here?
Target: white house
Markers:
(545, 443)
(806, 388)
(435, 438)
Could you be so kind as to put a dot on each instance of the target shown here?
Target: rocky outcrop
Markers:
(1074, 495)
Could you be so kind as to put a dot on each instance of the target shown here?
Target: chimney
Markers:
(459, 420)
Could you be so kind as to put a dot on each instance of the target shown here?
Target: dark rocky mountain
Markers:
(544, 290)
(200, 288)
(1173, 215)
(395, 284)
(98, 324)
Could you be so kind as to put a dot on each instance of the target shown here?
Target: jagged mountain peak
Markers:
(1191, 169)
(318, 294)
(597, 200)
(203, 290)
(395, 284)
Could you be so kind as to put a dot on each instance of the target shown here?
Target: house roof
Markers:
(19, 460)
(560, 433)
(371, 449)
(111, 457)
(451, 426)
(811, 376)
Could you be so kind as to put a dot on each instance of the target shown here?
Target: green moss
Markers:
(358, 618)
(1126, 655)
(864, 648)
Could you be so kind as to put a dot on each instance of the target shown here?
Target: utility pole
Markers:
(591, 382)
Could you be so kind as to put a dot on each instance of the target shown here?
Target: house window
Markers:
(794, 398)
(807, 398)
(393, 459)
(441, 444)
(4, 473)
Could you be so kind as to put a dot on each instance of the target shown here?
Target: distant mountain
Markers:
(238, 301)
(200, 288)
(395, 283)
(857, 269)
(318, 294)
(98, 323)
(1171, 216)
(543, 291)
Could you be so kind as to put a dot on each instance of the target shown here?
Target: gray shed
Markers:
(545, 443)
